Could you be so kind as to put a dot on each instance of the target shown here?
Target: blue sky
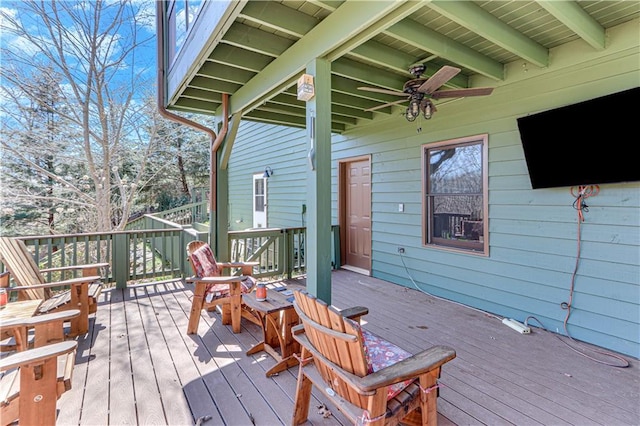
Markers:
(36, 45)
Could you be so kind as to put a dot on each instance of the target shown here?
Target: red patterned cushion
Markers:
(381, 354)
(247, 284)
(204, 262)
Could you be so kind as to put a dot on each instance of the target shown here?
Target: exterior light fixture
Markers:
(306, 90)
(268, 172)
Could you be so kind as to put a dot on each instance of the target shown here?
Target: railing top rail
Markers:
(180, 208)
(255, 233)
(164, 221)
(94, 234)
(80, 235)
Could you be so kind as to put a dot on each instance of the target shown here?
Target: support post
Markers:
(319, 182)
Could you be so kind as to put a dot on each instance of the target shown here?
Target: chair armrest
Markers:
(4, 279)
(72, 281)
(90, 266)
(215, 280)
(354, 312)
(38, 354)
(409, 368)
(236, 264)
(41, 319)
(246, 268)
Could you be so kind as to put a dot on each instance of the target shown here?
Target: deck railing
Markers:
(133, 256)
(188, 214)
(279, 251)
(156, 251)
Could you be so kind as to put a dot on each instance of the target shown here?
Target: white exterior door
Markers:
(259, 201)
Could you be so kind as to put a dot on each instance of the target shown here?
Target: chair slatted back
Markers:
(17, 258)
(338, 339)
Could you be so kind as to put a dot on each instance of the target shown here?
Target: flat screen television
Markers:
(587, 143)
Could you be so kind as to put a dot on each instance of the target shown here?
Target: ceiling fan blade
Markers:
(386, 105)
(443, 75)
(462, 93)
(388, 92)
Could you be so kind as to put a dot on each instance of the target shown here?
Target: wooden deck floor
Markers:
(137, 365)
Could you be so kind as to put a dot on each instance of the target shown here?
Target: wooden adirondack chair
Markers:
(370, 380)
(82, 293)
(32, 381)
(213, 289)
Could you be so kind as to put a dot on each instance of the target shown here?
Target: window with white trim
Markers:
(455, 187)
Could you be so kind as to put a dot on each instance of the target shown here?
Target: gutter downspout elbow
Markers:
(215, 144)
(215, 140)
(225, 124)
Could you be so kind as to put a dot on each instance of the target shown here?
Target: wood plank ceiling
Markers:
(374, 44)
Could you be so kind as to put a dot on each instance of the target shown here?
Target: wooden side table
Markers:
(13, 311)
(278, 317)
(20, 309)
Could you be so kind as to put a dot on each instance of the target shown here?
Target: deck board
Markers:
(184, 352)
(94, 387)
(541, 373)
(122, 402)
(138, 366)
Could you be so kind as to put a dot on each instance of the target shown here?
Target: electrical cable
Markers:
(624, 362)
(442, 298)
(581, 193)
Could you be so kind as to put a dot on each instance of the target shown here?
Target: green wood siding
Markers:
(533, 233)
(283, 149)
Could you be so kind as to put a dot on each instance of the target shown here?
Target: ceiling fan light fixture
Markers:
(427, 109)
(413, 110)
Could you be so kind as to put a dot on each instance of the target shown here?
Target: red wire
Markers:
(582, 193)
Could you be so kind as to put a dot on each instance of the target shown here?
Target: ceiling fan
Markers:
(420, 91)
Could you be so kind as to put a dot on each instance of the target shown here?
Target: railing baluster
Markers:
(163, 242)
(141, 251)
